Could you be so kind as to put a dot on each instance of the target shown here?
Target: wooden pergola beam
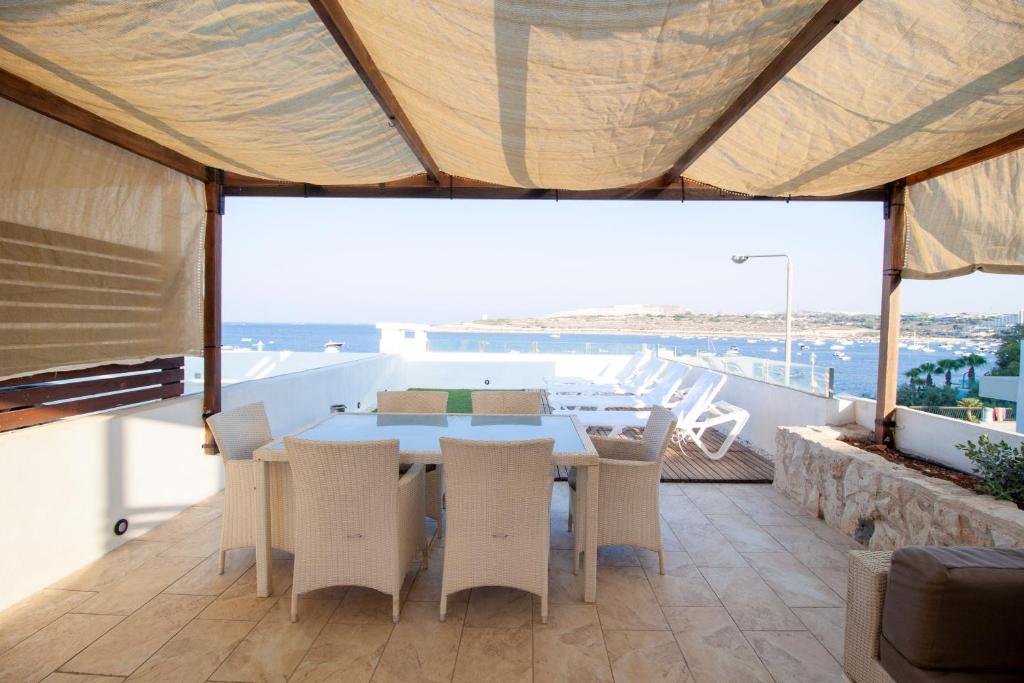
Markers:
(212, 301)
(452, 187)
(30, 96)
(893, 257)
(345, 35)
(1011, 143)
(820, 25)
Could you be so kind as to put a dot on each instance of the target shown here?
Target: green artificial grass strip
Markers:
(459, 400)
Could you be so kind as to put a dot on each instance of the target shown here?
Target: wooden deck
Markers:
(688, 464)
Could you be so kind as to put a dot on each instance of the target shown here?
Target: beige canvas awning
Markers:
(713, 99)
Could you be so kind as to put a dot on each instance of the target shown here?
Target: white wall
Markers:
(933, 437)
(65, 484)
(1002, 388)
(245, 366)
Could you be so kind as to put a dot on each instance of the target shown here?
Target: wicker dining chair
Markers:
(630, 478)
(506, 402)
(422, 403)
(499, 516)
(357, 522)
(238, 432)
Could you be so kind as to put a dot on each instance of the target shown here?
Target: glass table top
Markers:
(421, 432)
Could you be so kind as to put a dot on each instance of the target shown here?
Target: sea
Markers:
(855, 376)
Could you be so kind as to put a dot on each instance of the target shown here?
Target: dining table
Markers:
(419, 443)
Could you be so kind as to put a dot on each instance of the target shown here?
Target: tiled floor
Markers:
(753, 591)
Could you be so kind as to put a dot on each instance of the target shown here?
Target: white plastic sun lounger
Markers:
(695, 414)
(663, 392)
(636, 365)
(639, 383)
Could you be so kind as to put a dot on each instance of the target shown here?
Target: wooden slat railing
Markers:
(48, 396)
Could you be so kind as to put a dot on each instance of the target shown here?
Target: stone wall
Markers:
(882, 504)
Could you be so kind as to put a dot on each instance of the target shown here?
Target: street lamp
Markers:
(739, 260)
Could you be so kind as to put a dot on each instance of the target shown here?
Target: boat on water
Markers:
(733, 351)
(804, 347)
(334, 347)
(837, 347)
(555, 336)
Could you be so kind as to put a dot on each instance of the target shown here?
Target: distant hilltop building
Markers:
(623, 309)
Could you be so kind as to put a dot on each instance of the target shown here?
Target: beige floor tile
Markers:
(126, 646)
(43, 652)
(327, 593)
(364, 606)
(427, 585)
(670, 489)
(807, 547)
(21, 620)
(495, 654)
(752, 604)
(61, 677)
(495, 607)
(834, 577)
(560, 537)
(194, 653)
(744, 534)
(564, 587)
(343, 653)
(792, 581)
(791, 507)
(830, 535)
(714, 648)
(273, 649)
(679, 509)
(200, 543)
(617, 556)
(240, 602)
(828, 624)
(645, 657)
(625, 600)
(710, 500)
(204, 579)
(795, 657)
(707, 546)
(182, 524)
(112, 567)
(421, 648)
(669, 542)
(759, 508)
(682, 584)
(138, 587)
(570, 647)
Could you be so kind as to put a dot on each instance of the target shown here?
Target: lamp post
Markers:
(739, 260)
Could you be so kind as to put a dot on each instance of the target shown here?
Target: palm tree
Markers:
(972, 404)
(948, 365)
(928, 369)
(914, 374)
(973, 360)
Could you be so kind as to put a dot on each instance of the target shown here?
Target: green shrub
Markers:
(1000, 467)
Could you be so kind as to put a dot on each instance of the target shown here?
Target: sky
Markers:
(437, 261)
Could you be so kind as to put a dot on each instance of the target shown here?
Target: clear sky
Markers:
(428, 260)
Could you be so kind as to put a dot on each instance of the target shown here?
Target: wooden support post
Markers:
(894, 255)
(212, 258)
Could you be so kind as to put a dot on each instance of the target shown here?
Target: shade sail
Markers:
(898, 86)
(966, 221)
(99, 251)
(258, 88)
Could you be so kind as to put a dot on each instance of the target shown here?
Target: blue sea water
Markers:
(856, 376)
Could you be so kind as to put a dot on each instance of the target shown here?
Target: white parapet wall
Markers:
(66, 483)
(933, 437)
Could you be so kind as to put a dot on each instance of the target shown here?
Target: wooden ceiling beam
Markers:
(1011, 143)
(344, 34)
(452, 187)
(820, 25)
(30, 96)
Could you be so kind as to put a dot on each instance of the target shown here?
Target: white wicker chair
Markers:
(627, 509)
(506, 402)
(238, 433)
(357, 523)
(865, 595)
(421, 403)
(499, 516)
